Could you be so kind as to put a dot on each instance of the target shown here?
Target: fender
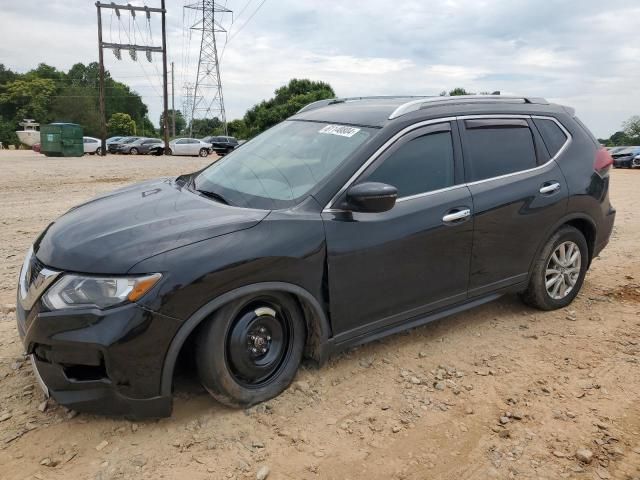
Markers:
(566, 219)
(318, 328)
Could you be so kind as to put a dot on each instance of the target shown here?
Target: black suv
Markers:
(222, 145)
(379, 215)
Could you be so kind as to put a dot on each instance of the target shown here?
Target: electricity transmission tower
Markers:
(208, 101)
(187, 103)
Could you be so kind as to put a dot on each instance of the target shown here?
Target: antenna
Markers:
(208, 101)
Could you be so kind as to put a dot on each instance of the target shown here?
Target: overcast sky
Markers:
(581, 53)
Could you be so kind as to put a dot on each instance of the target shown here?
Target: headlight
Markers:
(74, 291)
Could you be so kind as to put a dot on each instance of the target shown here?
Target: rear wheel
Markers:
(249, 350)
(133, 151)
(559, 271)
(99, 151)
(204, 152)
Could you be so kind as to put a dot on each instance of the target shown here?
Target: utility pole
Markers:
(103, 115)
(208, 100)
(132, 48)
(164, 77)
(173, 102)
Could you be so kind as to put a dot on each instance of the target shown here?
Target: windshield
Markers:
(282, 165)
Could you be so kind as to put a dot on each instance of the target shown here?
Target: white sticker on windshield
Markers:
(340, 130)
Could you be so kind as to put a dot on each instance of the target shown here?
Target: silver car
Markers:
(189, 146)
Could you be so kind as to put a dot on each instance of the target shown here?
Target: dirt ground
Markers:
(502, 391)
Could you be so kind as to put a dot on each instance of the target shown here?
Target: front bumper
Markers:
(100, 361)
(622, 162)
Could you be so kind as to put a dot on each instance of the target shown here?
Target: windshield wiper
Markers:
(214, 196)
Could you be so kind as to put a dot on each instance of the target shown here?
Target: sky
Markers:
(580, 53)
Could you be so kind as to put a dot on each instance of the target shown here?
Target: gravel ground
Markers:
(502, 391)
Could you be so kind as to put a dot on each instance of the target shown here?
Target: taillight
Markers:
(603, 162)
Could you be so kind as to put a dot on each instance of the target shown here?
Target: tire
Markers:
(229, 366)
(99, 151)
(204, 152)
(133, 151)
(537, 294)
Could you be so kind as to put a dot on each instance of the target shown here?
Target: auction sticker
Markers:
(341, 130)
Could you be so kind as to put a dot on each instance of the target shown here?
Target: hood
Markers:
(113, 232)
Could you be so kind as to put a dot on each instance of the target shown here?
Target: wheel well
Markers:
(318, 329)
(589, 232)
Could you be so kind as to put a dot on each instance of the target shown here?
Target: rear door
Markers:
(518, 194)
(385, 268)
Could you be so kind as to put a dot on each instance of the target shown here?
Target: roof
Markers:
(377, 111)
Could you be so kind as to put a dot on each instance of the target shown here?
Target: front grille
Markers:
(35, 267)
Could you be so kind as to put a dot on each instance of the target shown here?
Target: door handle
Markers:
(454, 216)
(550, 187)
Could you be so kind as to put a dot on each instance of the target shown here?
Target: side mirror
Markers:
(371, 197)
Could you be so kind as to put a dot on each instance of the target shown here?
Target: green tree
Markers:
(632, 128)
(181, 123)
(201, 127)
(121, 124)
(288, 100)
(459, 91)
(29, 98)
(77, 104)
(237, 128)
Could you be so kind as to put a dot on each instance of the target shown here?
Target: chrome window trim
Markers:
(401, 133)
(379, 152)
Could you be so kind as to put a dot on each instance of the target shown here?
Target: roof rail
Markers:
(332, 101)
(414, 105)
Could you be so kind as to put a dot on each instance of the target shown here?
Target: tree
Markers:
(181, 123)
(288, 100)
(632, 128)
(77, 105)
(28, 98)
(121, 124)
(201, 127)
(459, 91)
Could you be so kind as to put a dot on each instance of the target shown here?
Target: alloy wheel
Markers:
(563, 270)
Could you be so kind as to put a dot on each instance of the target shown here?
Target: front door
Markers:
(385, 268)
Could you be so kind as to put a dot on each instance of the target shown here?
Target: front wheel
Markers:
(249, 350)
(204, 152)
(559, 271)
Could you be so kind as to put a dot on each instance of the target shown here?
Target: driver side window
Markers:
(421, 164)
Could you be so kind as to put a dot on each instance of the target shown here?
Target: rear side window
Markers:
(552, 135)
(498, 147)
(421, 165)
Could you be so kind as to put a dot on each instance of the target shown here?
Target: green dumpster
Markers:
(61, 140)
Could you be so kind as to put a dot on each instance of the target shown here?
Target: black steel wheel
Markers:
(249, 351)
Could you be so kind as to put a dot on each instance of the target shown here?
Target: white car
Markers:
(92, 145)
(189, 146)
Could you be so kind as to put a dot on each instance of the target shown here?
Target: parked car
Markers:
(349, 221)
(625, 157)
(140, 146)
(113, 139)
(189, 146)
(221, 144)
(92, 145)
(114, 147)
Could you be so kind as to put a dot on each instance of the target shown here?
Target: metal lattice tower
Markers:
(187, 103)
(208, 101)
